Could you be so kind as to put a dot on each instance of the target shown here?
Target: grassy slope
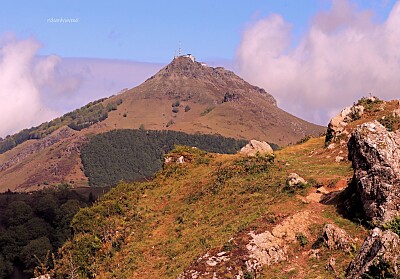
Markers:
(159, 228)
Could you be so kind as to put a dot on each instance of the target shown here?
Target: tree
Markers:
(18, 212)
(36, 248)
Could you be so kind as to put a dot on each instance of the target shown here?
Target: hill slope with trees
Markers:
(138, 154)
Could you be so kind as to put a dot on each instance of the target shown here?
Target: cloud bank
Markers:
(343, 56)
(22, 105)
(35, 89)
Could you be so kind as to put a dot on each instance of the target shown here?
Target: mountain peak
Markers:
(185, 72)
(184, 66)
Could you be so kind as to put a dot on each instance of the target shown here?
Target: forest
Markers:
(132, 155)
(35, 224)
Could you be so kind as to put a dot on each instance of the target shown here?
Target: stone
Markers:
(336, 238)
(379, 250)
(180, 160)
(339, 159)
(374, 153)
(295, 180)
(314, 197)
(337, 125)
(254, 147)
(322, 190)
(314, 253)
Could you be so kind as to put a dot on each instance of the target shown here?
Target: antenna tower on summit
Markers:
(180, 49)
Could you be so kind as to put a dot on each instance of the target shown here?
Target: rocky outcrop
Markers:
(254, 147)
(375, 154)
(252, 252)
(295, 180)
(336, 238)
(378, 257)
(337, 125)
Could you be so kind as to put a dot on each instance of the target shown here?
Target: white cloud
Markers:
(22, 106)
(35, 89)
(343, 56)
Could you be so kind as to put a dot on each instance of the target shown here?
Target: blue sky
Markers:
(314, 56)
(150, 31)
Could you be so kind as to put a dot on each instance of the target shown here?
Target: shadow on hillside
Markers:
(347, 203)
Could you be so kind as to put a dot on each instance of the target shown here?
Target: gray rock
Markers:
(294, 180)
(336, 238)
(337, 125)
(374, 153)
(322, 190)
(254, 147)
(380, 251)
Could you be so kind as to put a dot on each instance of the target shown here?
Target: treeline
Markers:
(78, 119)
(138, 154)
(31, 224)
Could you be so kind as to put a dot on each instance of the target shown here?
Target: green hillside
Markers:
(157, 229)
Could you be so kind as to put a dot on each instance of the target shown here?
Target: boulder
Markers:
(295, 180)
(378, 257)
(336, 238)
(337, 125)
(374, 153)
(254, 147)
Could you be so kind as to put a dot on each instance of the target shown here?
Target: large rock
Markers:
(337, 125)
(375, 154)
(336, 238)
(378, 257)
(255, 146)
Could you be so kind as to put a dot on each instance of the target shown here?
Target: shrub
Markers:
(393, 225)
(175, 110)
(369, 104)
(206, 111)
(171, 122)
(176, 104)
(187, 108)
(391, 122)
(302, 239)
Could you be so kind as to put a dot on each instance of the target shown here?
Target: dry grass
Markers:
(194, 208)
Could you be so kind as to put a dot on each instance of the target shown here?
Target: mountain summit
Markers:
(219, 80)
(190, 96)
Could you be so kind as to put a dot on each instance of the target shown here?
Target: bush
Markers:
(176, 104)
(391, 122)
(206, 111)
(302, 239)
(369, 104)
(171, 122)
(175, 110)
(393, 225)
(187, 108)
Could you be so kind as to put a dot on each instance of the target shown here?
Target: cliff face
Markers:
(375, 153)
